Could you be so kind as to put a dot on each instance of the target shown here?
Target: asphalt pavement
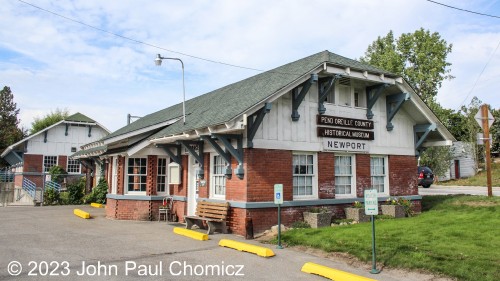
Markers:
(50, 243)
(450, 190)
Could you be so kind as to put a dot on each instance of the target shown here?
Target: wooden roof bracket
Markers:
(235, 152)
(223, 153)
(393, 105)
(45, 136)
(323, 91)
(198, 156)
(297, 97)
(254, 121)
(372, 95)
(176, 157)
(90, 131)
(425, 129)
(87, 164)
(67, 128)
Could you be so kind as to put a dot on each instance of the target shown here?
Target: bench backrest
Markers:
(211, 210)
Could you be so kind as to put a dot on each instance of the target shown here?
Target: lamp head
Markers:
(158, 60)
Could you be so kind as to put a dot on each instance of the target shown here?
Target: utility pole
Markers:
(486, 136)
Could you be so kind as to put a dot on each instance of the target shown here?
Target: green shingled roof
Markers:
(226, 103)
(78, 117)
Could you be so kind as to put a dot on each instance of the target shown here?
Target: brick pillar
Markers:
(363, 177)
(120, 183)
(152, 171)
(326, 175)
(62, 161)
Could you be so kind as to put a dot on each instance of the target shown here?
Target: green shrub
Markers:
(300, 224)
(64, 198)
(51, 196)
(98, 194)
(57, 174)
(76, 192)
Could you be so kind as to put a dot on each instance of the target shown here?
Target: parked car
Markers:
(425, 176)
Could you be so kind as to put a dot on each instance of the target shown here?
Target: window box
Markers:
(396, 211)
(356, 214)
(316, 220)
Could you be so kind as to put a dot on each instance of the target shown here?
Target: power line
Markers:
(464, 10)
(138, 41)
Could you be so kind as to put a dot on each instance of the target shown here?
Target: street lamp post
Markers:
(158, 61)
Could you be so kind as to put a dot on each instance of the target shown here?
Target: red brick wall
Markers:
(34, 163)
(203, 191)
(326, 175)
(62, 161)
(152, 170)
(130, 209)
(363, 178)
(402, 175)
(236, 188)
(266, 167)
(120, 186)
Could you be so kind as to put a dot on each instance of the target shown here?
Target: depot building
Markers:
(325, 127)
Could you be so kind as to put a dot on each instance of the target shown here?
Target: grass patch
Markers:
(479, 179)
(457, 236)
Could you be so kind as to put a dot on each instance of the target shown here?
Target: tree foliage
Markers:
(419, 57)
(48, 120)
(10, 133)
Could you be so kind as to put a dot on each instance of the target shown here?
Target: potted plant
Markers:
(397, 207)
(318, 217)
(356, 212)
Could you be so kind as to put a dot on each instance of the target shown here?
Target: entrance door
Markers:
(457, 169)
(192, 190)
(114, 172)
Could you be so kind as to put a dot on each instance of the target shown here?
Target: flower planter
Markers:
(316, 220)
(356, 214)
(396, 211)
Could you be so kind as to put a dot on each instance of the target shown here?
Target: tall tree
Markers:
(419, 57)
(48, 120)
(9, 131)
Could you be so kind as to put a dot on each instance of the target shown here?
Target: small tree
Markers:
(98, 194)
(438, 158)
(57, 174)
(76, 192)
(9, 131)
(48, 120)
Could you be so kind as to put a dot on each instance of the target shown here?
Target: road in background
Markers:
(446, 190)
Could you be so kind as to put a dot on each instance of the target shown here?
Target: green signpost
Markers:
(371, 209)
(278, 200)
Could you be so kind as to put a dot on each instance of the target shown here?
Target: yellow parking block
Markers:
(96, 205)
(191, 233)
(333, 274)
(81, 213)
(240, 246)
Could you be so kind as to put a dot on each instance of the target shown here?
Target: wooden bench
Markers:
(214, 214)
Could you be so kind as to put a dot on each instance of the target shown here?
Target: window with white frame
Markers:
(73, 166)
(304, 176)
(359, 97)
(161, 178)
(136, 174)
(218, 177)
(345, 178)
(344, 95)
(378, 171)
(49, 162)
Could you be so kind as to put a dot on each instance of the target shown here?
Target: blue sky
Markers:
(51, 62)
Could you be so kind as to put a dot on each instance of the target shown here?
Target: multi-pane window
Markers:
(359, 98)
(49, 162)
(344, 175)
(73, 166)
(303, 175)
(218, 176)
(161, 178)
(378, 171)
(344, 95)
(136, 174)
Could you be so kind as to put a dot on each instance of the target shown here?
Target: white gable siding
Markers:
(60, 144)
(278, 131)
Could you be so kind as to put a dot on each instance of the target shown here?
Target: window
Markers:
(218, 179)
(359, 98)
(48, 162)
(345, 185)
(378, 171)
(304, 181)
(73, 166)
(136, 174)
(344, 95)
(161, 178)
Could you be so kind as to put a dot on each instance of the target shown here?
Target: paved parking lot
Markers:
(53, 244)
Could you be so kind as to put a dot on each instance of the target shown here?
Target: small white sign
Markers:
(371, 202)
(479, 118)
(345, 145)
(278, 193)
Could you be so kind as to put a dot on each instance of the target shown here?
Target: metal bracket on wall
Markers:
(297, 97)
(176, 157)
(188, 145)
(323, 91)
(425, 129)
(45, 136)
(254, 121)
(393, 105)
(235, 152)
(90, 131)
(97, 160)
(372, 95)
(87, 165)
(223, 153)
(67, 128)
